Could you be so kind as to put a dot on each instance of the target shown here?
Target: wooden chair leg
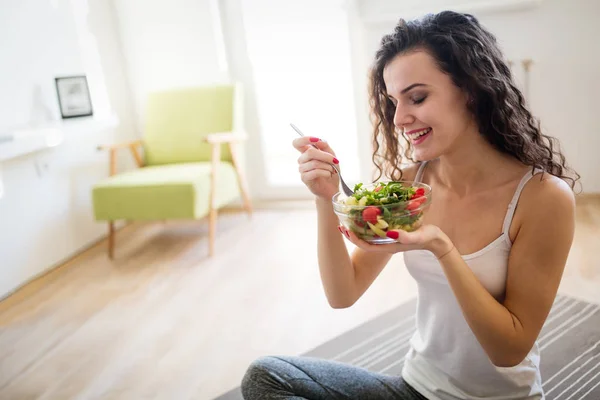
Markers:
(241, 179)
(245, 195)
(111, 239)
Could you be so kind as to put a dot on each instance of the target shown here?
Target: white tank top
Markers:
(445, 360)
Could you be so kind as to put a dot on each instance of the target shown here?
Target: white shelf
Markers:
(90, 125)
(25, 140)
(19, 142)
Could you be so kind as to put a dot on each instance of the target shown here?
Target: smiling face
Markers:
(429, 107)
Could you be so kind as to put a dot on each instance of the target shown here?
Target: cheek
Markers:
(436, 117)
(429, 114)
(450, 119)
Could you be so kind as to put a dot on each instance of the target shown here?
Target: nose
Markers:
(402, 117)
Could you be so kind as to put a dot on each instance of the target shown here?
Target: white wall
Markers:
(45, 213)
(561, 38)
(383, 10)
(168, 44)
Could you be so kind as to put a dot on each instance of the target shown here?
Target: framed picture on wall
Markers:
(74, 96)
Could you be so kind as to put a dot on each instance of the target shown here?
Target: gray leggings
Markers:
(316, 379)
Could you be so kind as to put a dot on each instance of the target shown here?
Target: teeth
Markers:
(418, 134)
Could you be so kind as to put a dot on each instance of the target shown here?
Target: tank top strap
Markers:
(419, 175)
(510, 213)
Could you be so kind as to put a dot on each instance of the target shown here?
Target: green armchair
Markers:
(189, 145)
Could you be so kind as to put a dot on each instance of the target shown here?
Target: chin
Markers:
(421, 155)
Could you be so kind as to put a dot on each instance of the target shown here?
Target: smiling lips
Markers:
(418, 135)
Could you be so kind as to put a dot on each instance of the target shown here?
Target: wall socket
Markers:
(41, 167)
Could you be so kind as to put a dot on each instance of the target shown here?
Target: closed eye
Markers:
(419, 100)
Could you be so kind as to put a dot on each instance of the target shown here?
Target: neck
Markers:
(471, 165)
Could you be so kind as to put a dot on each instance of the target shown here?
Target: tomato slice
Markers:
(416, 203)
(419, 193)
(370, 214)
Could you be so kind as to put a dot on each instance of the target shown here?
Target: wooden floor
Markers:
(163, 321)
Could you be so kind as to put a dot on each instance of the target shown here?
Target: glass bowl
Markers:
(377, 208)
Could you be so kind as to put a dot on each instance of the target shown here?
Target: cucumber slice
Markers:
(377, 230)
(351, 201)
(381, 223)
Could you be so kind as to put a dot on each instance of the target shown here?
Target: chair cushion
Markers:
(172, 191)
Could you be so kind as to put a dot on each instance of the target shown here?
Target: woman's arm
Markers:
(346, 278)
(508, 331)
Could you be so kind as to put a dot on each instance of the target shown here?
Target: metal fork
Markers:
(345, 187)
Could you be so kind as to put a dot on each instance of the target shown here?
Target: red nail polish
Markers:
(314, 139)
(347, 234)
(340, 229)
(335, 161)
(392, 235)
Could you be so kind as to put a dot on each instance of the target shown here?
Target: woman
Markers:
(490, 256)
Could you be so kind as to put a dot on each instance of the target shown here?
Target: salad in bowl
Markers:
(377, 208)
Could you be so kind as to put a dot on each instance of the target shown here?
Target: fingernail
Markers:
(392, 235)
(335, 161)
(347, 234)
(314, 139)
(340, 229)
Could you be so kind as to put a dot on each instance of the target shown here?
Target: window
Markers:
(300, 55)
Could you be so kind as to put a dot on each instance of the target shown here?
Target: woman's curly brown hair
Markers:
(469, 54)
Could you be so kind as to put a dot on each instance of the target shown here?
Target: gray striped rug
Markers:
(569, 344)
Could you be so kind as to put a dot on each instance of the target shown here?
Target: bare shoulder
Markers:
(549, 193)
(547, 197)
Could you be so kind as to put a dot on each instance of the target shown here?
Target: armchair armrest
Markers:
(132, 145)
(225, 137)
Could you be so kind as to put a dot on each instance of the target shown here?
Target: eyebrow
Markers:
(414, 85)
(408, 88)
